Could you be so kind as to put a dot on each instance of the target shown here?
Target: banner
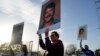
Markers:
(17, 33)
(50, 16)
(82, 33)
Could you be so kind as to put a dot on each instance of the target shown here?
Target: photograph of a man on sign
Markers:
(50, 16)
(82, 34)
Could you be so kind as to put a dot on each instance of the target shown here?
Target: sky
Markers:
(74, 13)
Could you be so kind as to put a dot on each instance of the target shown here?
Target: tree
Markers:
(70, 50)
(97, 52)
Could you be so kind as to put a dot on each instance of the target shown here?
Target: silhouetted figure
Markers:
(11, 52)
(86, 50)
(54, 48)
(24, 49)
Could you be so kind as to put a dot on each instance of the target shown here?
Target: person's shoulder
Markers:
(83, 50)
(91, 51)
(59, 41)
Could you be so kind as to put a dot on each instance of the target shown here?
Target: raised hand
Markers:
(46, 33)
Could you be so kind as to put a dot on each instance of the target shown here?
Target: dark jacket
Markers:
(54, 49)
(24, 49)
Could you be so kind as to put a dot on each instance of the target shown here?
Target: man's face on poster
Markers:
(81, 31)
(49, 13)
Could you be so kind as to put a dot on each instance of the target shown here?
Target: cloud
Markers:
(25, 9)
(15, 11)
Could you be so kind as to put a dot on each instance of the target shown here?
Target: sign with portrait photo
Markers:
(50, 16)
(82, 33)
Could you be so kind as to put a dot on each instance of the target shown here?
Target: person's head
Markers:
(49, 12)
(54, 36)
(24, 47)
(81, 31)
(86, 47)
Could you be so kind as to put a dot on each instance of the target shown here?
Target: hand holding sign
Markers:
(47, 33)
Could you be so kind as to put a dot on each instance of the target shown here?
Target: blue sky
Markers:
(74, 13)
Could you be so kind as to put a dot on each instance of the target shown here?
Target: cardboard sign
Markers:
(82, 33)
(50, 16)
